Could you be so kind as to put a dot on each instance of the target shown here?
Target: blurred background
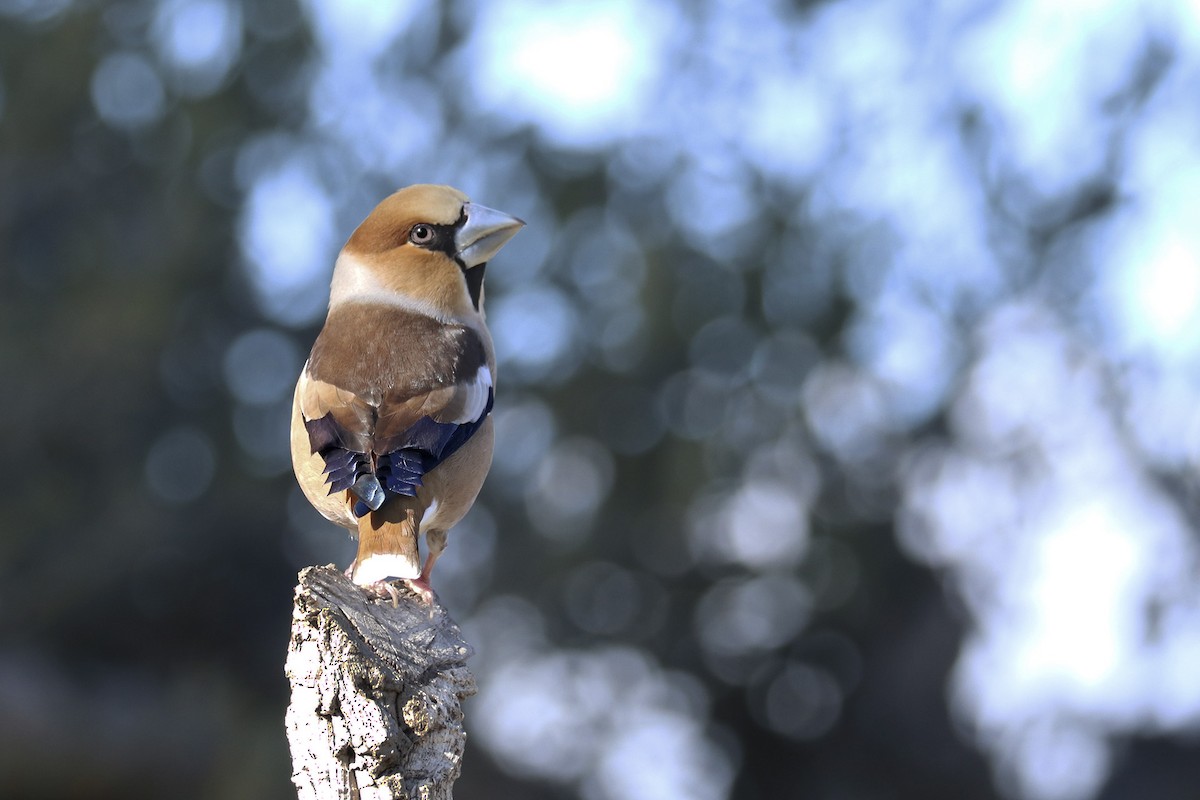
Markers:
(849, 409)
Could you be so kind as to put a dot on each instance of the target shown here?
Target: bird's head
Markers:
(425, 246)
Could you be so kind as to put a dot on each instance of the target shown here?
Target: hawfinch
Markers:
(391, 426)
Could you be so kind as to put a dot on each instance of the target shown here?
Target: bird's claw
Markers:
(390, 590)
(421, 588)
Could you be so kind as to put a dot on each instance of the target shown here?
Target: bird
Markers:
(391, 427)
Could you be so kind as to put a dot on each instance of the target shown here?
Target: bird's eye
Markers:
(421, 234)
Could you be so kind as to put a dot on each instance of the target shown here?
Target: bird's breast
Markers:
(372, 350)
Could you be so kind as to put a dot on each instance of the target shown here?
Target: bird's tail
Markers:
(387, 542)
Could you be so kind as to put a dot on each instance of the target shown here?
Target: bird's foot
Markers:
(390, 590)
(383, 590)
(420, 586)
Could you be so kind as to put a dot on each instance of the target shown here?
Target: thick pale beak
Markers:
(483, 234)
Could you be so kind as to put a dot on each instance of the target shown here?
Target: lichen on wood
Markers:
(377, 690)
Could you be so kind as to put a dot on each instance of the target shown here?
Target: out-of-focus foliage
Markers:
(847, 429)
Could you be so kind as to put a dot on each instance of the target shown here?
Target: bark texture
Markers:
(377, 690)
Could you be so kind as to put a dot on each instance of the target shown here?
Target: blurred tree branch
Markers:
(376, 693)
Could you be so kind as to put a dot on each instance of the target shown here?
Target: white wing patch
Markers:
(475, 396)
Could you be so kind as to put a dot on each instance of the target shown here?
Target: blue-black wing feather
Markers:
(426, 444)
(422, 447)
